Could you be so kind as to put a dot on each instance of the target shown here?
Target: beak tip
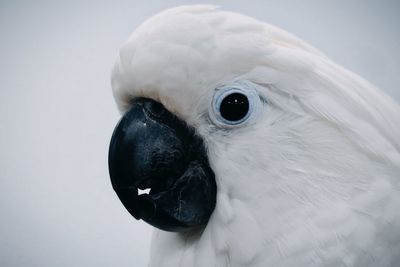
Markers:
(147, 207)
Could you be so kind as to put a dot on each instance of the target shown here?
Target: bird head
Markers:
(230, 122)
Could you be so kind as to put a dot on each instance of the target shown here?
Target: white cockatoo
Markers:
(257, 149)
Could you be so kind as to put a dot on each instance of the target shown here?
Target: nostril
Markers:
(156, 109)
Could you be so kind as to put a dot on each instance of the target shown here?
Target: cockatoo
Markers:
(257, 149)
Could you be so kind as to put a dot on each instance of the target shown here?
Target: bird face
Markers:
(214, 81)
(173, 99)
(232, 122)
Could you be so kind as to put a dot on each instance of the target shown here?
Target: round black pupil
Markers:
(234, 107)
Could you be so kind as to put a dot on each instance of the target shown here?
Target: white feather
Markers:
(313, 182)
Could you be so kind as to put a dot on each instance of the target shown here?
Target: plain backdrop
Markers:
(57, 113)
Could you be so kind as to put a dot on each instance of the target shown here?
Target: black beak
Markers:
(153, 149)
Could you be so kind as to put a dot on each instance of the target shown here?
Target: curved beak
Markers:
(153, 149)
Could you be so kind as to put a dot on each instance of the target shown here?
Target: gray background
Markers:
(57, 113)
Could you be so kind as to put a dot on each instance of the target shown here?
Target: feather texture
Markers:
(314, 181)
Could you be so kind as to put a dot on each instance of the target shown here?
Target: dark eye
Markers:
(234, 107)
(234, 104)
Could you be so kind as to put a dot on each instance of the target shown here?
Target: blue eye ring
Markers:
(244, 91)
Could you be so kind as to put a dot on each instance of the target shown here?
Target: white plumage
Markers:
(312, 181)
